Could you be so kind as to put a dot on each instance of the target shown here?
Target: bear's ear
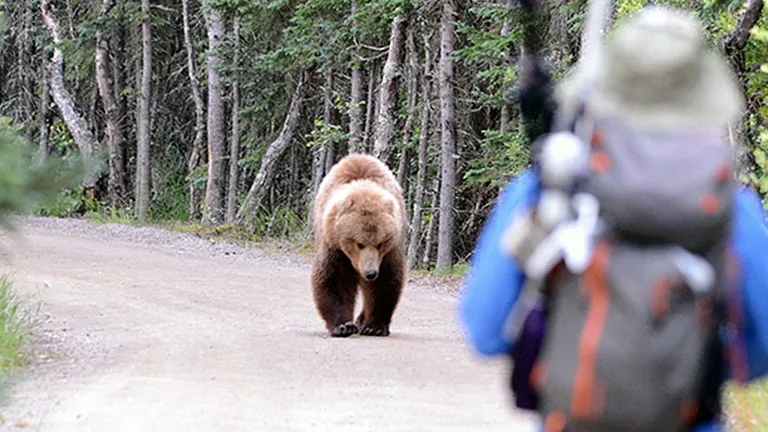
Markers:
(390, 206)
(345, 206)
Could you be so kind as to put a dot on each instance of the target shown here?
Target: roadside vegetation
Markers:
(19, 318)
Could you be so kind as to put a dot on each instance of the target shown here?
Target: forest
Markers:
(230, 112)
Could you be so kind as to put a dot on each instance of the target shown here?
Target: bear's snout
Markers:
(370, 262)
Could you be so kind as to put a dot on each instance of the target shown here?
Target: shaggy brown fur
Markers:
(360, 227)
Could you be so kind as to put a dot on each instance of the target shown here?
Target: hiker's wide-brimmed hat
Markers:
(656, 71)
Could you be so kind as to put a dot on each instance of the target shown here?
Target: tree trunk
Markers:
(330, 150)
(417, 217)
(321, 154)
(293, 189)
(234, 151)
(72, 37)
(505, 92)
(116, 190)
(92, 111)
(404, 167)
(737, 38)
(563, 41)
(385, 125)
(369, 112)
(144, 127)
(42, 149)
(214, 192)
(76, 124)
(24, 105)
(355, 110)
(432, 225)
(198, 145)
(733, 45)
(264, 178)
(319, 166)
(70, 15)
(448, 161)
(117, 48)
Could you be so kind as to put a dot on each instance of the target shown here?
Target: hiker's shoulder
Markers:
(522, 187)
(750, 231)
(750, 234)
(748, 203)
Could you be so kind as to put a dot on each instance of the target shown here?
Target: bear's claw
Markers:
(374, 331)
(344, 330)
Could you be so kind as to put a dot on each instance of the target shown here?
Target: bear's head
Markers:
(364, 221)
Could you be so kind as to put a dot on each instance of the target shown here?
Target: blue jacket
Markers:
(495, 280)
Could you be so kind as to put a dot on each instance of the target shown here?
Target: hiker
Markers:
(655, 76)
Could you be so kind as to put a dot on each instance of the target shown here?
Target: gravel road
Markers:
(152, 330)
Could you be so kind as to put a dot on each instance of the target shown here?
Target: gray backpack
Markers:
(632, 344)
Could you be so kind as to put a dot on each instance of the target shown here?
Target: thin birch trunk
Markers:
(42, 149)
(198, 145)
(385, 124)
(214, 191)
(355, 110)
(505, 108)
(417, 217)
(432, 225)
(330, 150)
(404, 166)
(76, 124)
(234, 151)
(145, 99)
(265, 177)
(370, 109)
(448, 121)
(117, 187)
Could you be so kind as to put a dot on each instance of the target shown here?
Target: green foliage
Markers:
(170, 188)
(493, 80)
(324, 135)
(312, 36)
(746, 406)
(17, 321)
(756, 61)
(282, 222)
(322, 32)
(760, 178)
(484, 49)
(458, 269)
(626, 8)
(69, 202)
(106, 215)
(507, 157)
(26, 180)
(61, 140)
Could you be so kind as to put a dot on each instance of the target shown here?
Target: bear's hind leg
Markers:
(380, 298)
(334, 287)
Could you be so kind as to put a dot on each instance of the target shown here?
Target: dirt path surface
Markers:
(151, 330)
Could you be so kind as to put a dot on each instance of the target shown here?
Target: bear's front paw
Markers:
(375, 330)
(344, 330)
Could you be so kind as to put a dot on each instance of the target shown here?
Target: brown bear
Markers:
(360, 227)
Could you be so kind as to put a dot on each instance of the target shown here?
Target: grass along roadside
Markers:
(296, 240)
(747, 406)
(17, 322)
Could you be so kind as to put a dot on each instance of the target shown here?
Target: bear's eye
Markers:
(360, 246)
(380, 245)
